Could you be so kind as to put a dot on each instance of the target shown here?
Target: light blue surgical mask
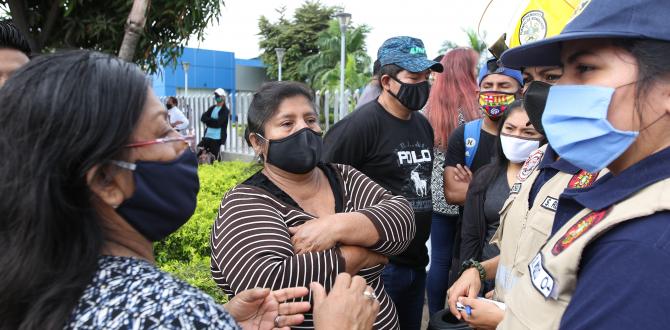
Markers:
(576, 125)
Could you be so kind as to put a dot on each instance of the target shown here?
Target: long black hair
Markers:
(653, 64)
(487, 174)
(11, 37)
(62, 114)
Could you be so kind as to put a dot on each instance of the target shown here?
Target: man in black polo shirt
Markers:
(390, 142)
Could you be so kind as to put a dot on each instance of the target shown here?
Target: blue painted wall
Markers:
(209, 69)
(253, 62)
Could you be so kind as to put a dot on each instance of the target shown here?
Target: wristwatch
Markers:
(467, 264)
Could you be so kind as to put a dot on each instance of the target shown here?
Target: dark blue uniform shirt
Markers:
(549, 166)
(624, 275)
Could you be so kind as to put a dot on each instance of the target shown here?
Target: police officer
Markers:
(525, 221)
(606, 263)
(527, 216)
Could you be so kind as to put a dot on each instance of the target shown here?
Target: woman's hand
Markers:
(315, 235)
(483, 314)
(463, 173)
(346, 307)
(262, 309)
(467, 285)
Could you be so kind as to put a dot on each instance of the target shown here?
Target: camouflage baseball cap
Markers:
(407, 53)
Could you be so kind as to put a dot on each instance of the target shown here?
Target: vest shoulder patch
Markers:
(550, 203)
(582, 179)
(530, 165)
(578, 229)
(542, 280)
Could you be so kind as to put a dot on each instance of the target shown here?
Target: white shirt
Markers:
(176, 115)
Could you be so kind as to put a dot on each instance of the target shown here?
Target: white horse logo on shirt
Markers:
(419, 184)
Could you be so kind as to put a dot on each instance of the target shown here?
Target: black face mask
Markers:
(297, 153)
(168, 106)
(165, 195)
(534, 101)
(412, 96)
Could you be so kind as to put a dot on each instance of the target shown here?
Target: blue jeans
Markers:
(442, 233)
(405, 286)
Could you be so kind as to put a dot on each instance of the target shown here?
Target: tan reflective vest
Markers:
(524, 229)
(542, 294)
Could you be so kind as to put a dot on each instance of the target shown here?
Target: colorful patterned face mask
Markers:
(494, 104)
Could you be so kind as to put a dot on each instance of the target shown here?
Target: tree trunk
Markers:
(134, 27)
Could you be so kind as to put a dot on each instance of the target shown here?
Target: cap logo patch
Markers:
(578, 229)
(533, 27)
(417, 50)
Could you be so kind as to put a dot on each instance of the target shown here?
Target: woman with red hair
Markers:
(452, 102)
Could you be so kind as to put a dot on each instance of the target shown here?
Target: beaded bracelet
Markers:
(473, 263)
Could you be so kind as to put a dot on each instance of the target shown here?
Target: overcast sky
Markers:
(433, 21)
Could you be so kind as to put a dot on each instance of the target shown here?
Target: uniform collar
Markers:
(549, 161)
(611, 189)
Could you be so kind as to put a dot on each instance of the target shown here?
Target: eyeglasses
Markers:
(189, 139)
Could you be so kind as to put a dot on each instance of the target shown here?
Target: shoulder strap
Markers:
(471, 140)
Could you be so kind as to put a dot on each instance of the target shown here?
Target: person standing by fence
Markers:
(216, 120)
(177, 118)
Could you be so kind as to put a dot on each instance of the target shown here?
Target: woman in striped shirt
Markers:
(298, 220)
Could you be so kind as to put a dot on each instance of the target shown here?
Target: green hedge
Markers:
(186, 253)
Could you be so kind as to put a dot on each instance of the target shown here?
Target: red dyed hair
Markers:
(455, 88)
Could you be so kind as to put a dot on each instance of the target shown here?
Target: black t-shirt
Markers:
(456, 149)
(395, 153)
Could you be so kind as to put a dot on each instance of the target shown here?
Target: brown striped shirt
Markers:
(251, 245)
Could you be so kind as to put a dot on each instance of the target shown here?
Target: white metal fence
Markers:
(327, 105)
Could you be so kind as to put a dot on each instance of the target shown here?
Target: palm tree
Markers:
(474, 42)
(447, 45)
(322, 68)
(354, 78)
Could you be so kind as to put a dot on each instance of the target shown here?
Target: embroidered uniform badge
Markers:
(582, 179)
(578, 229)
(530, 165)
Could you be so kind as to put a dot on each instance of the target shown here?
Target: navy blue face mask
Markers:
(165, 195)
